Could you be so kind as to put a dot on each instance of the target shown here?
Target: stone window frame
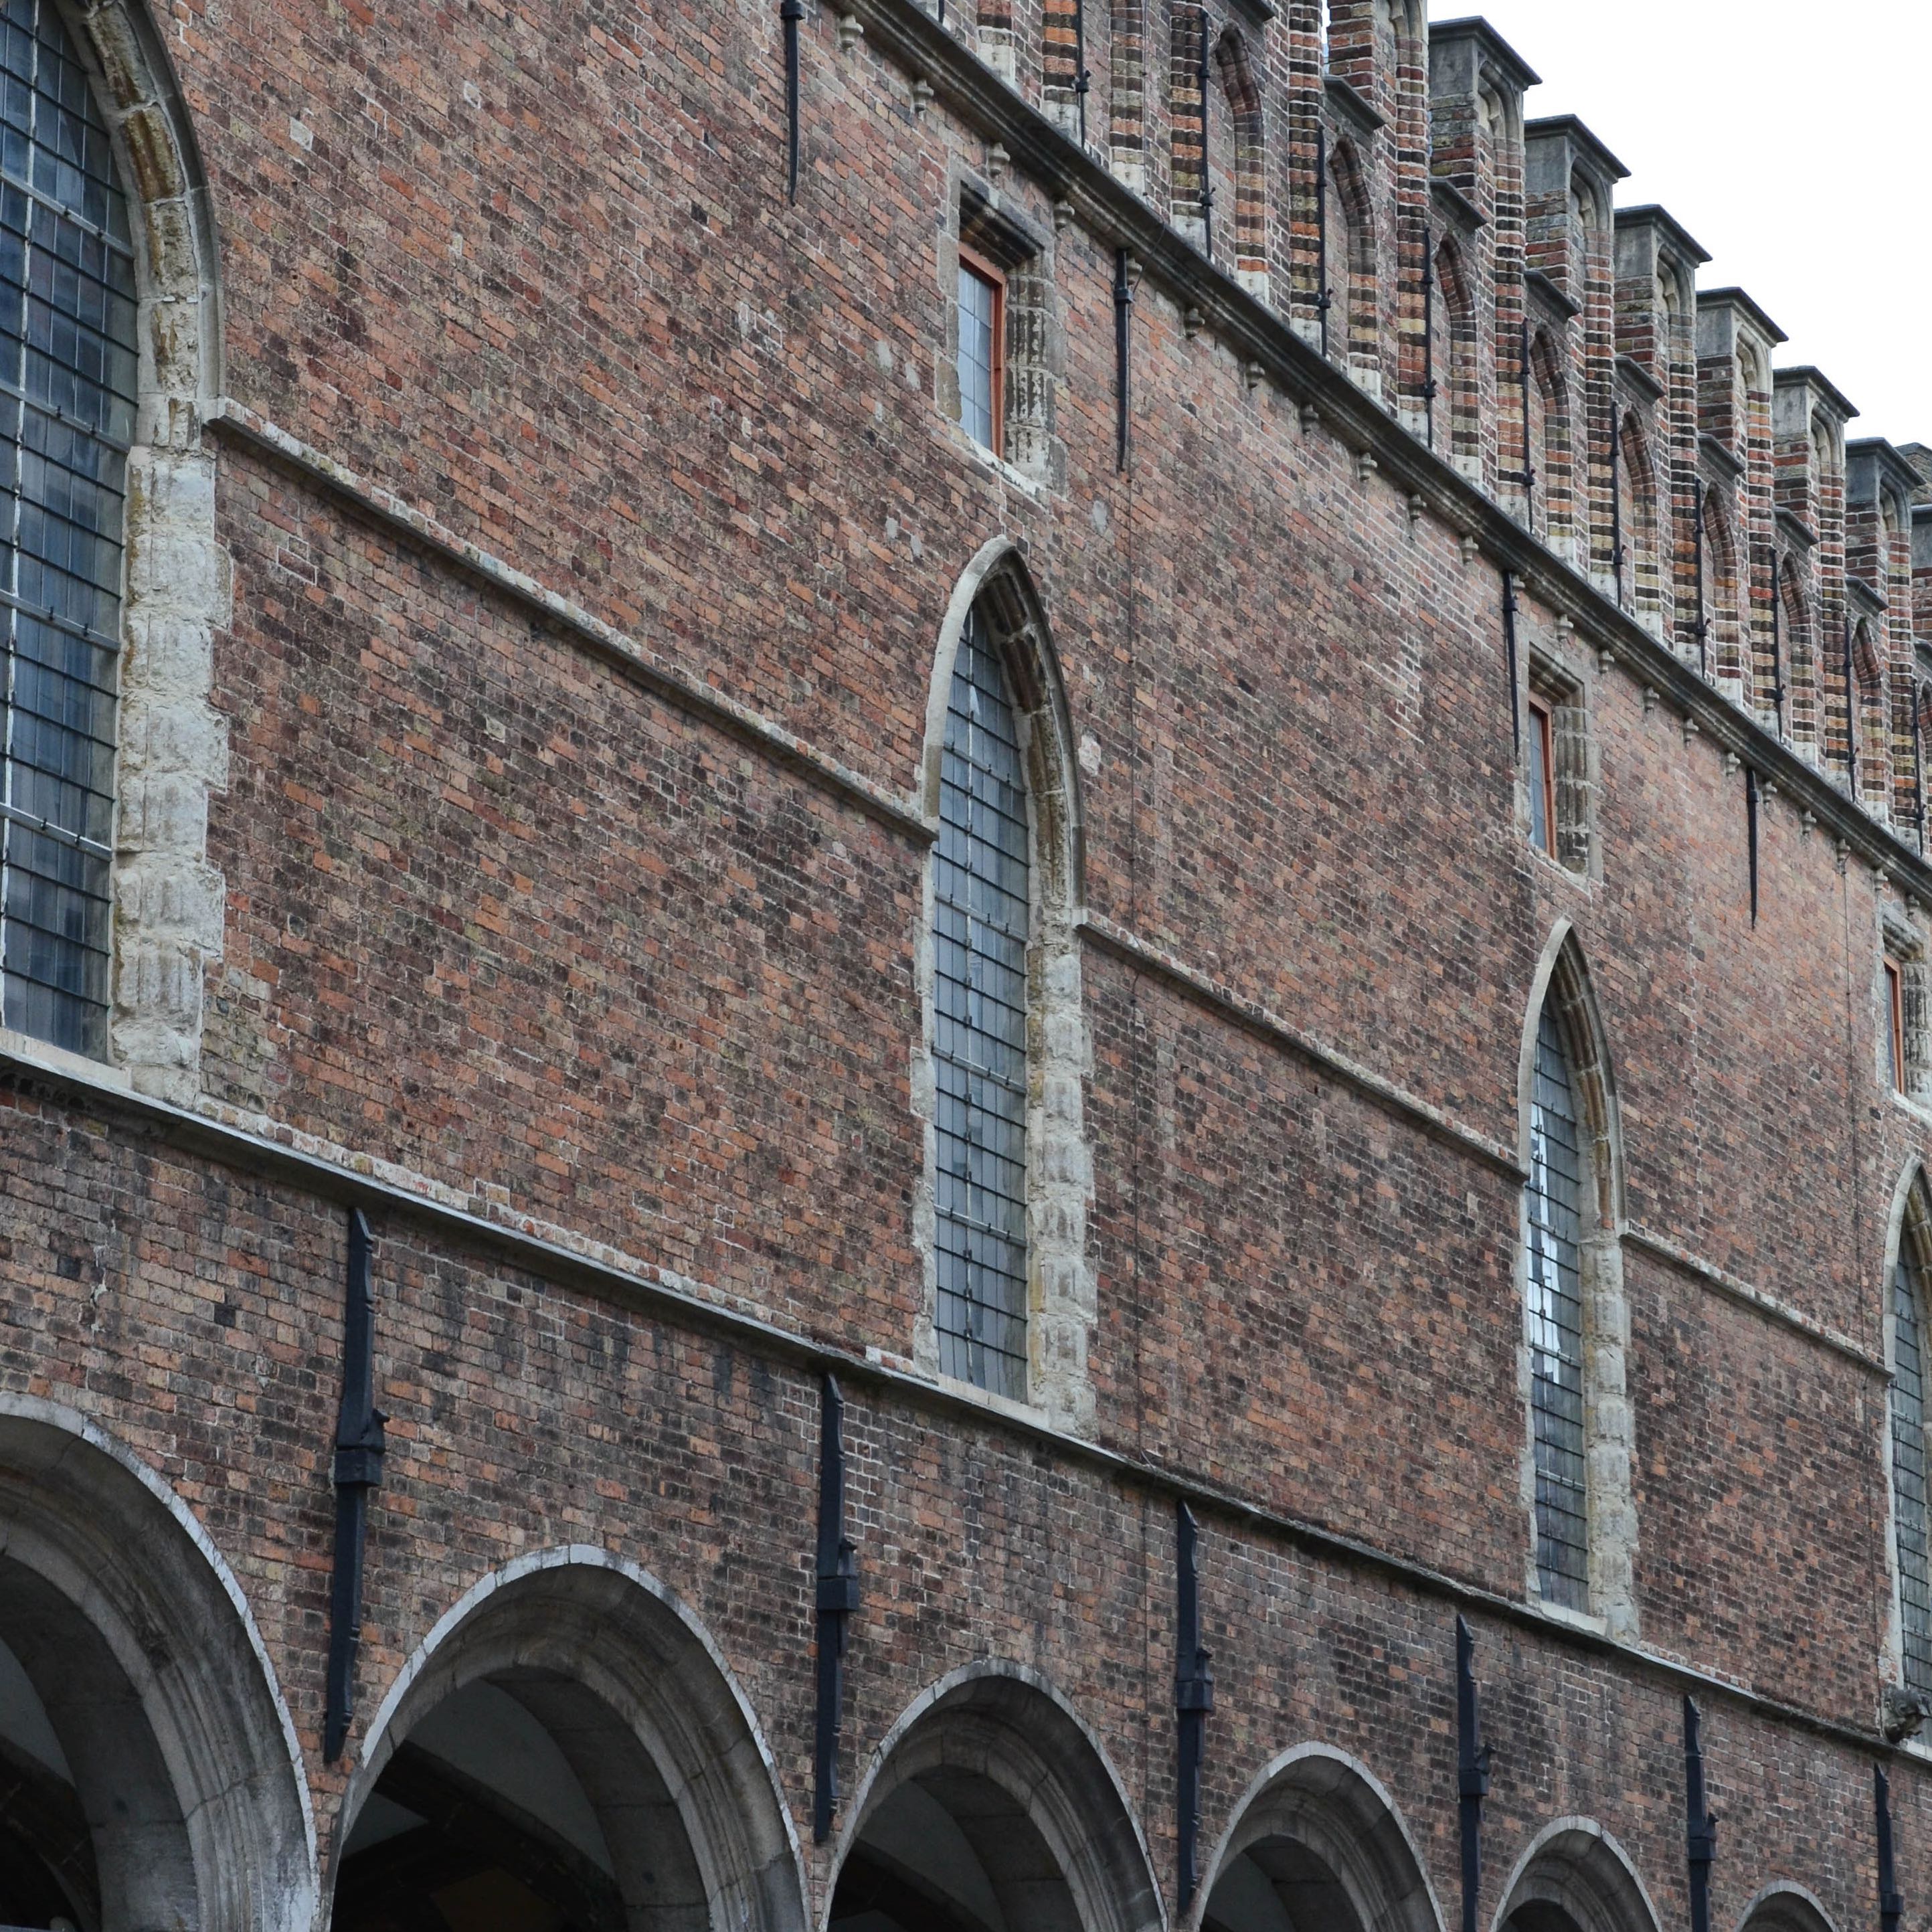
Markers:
(985, 228)
(169, 905)
(1902, 949)
(1573, 774)
(1910, 1225)
(1609, 1415)
(1062, 1294)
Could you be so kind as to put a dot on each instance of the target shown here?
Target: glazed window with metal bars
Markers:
(68, 369)
(981, 903)
(1908, 1469)
(1556, 1318)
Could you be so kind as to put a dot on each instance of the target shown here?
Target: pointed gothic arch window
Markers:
(69, 364)
(981, 914)
(1555, 1275)
(1909, 1526)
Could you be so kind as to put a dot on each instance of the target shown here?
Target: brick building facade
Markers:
(1176, 764)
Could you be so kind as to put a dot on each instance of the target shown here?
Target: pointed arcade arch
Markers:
(999, 1072)
(1784, 1907)
(1317, 1842)
(1575, 1877)
(991, 1803)
(567, 1737)
(1250, 168)
(154, 1777)
(1580, 1438)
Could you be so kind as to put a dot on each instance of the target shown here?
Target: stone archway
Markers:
(1318, 1846)
(1575, 1877)
(991, 1808)
(149, 1773)
(566, 1743)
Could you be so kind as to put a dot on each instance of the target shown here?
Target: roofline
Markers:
(1570, 125)
(1473, 26)
(1655, 215)
(1737, 299)
(1825, 387)
(1885, 451)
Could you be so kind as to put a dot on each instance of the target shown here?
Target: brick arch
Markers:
(1643, 574)
(1243, 98)
(1350, 219)
(1722, 584)
(1549, 440)
(1062, 1309)
(1562, 986)
(1573, 1877)
(1804, 706)
(184, 1780)
(997, 1753)
(1319, 1821)
(1455, 353)
(638, 1701)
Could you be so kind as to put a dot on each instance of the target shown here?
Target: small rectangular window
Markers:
(983, 351)
(1894, 1023)
(1542, 777)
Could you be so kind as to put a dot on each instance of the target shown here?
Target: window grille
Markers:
(1908, 1470)
(1556, 1327)
(68, 367)
(981, 894)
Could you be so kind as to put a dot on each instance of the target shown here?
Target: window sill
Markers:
(1000, 1404)
(1569, 874)
(1576, 1620)
(997, 465)
(59, 1060)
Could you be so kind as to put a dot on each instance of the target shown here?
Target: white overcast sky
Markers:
(1790, 137)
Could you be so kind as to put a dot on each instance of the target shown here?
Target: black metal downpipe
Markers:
(1193, 1696)
(838, 1598)
(1851, 709)
(1750, 833)
(1891, 1905)
(1206, 173)
(1616, 508)
(791, 12)
(1701, 628)
(1123, 309)
(1472, 1770)
(1321, 296)
(1777, 643)
(1700, 1828)
(1509, 653)
(1529, 467)
(359, 1445)
(1083, 81)
(1429, 332)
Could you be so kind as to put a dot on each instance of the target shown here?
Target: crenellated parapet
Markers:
(1374, 180)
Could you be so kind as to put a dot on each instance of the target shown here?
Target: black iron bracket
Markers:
(1472, 1770)
(1891, 1903)
(1700, 1825)
(1206, 173)
(359, 1446)
(1510, 659)
(1193, 1696)
(837, 1597)
(1751, 832)
(791, 12)
(1123, 309)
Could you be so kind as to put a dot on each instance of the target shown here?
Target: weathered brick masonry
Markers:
(591, 527)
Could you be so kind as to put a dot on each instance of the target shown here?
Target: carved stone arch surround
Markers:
(1909, 1223)
(169, 905)
(1562, 980)
(1062, 1298)
(1575, 1865)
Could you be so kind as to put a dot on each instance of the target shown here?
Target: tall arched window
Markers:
(1908, 1463)
(68, 368)
(981, 910)
(1555, 1315)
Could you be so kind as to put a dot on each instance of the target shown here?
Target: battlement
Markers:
(1374, 180)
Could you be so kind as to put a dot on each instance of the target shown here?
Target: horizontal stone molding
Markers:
(284, 1157)
(903, 33)
(1769, 1305)
(1257, 1019)
(635, 659)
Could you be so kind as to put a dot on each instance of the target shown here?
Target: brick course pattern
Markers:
(595, 978)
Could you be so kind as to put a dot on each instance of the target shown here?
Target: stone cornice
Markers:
(902, 31)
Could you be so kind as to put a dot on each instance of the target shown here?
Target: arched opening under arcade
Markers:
(565, 1753)
(1318, 1846)
(991, 1809)
(1575, 1877)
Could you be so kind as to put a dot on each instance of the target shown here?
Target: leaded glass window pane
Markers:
(1908, 1469)
(979, 314)
(1556, 1327)
(981, 903)
(68, 371)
